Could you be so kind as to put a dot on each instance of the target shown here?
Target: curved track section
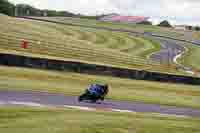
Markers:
(169, 49)
(38, 98)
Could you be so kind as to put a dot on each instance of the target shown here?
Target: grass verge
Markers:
(34, 120)
(191, 57)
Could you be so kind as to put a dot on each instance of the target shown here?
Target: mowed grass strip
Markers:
(80, 36)
(54, 120)
(73, 84)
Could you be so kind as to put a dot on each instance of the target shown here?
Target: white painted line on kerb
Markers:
(80, 108)
(26, 103)
(179, 56)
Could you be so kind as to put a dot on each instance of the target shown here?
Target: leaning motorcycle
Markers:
(87, 96)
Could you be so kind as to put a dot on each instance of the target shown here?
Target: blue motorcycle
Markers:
(94, 93)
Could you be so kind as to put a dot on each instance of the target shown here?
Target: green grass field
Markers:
(52, 120)
(73, 84)
(60, 42)
(196, 35)
(79, 44)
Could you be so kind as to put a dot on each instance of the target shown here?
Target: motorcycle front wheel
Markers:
(83, 97)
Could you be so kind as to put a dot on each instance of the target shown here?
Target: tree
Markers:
(165, 23)
(27, 10)
(7, 8)
(145, 23)
(197, 28)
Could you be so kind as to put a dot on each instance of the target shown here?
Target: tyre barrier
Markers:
(93, 69)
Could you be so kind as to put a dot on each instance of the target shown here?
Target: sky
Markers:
(176, 11)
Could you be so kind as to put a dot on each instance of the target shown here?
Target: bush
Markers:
(146, 23)
(165, 23)
(197, 28)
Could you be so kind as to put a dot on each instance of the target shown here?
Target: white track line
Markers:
(80, 108)
(171, 115)
(179, 56)
(123, 111)
(26, 103)
(32, 104)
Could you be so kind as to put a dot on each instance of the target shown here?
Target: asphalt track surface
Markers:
(61, 100)
(169, 49)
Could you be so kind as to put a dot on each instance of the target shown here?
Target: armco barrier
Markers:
(50, 64)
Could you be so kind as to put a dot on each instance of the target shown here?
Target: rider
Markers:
(98, 90)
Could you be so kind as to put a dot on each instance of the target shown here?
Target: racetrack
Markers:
(169, 49)
(58, 100)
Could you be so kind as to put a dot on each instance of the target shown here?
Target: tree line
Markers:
(7, 8)
(26, 10)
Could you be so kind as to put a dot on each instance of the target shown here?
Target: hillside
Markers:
(190, 58)
(77, 43)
